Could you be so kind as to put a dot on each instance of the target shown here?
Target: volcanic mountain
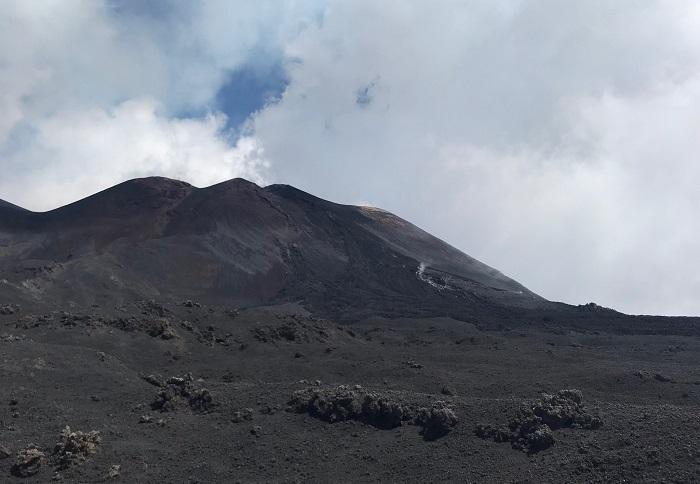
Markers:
(240, 244)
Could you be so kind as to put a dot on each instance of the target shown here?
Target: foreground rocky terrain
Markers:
(157, 332)
(180, 393)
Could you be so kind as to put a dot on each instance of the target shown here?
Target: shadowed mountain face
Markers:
(239, 244)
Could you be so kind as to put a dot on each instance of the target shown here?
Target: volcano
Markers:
(241, 244)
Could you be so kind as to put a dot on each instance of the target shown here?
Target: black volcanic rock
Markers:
(238, 243)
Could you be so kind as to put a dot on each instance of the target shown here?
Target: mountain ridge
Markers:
(241, 243)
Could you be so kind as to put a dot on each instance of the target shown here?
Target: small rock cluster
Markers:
(373, 408)
(531, 430)
(191, 304)
(11, 338)
(176, 389)
(153, 308)
(8, 309)
(208, 335)
(436, 421)
(28, 461)
(72, 448)
(245, 414)
(294, 328)
(158, 327)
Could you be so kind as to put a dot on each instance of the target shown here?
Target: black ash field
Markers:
(157, 332)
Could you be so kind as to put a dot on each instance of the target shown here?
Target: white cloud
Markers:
(129, 141)
(92, 93)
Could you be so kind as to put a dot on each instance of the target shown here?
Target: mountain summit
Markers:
(240, 244)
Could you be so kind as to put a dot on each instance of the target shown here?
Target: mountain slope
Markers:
(239, 244)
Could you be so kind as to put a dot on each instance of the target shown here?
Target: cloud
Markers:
(94, 92)
(131, 140)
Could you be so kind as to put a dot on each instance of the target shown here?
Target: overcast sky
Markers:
(558, 141)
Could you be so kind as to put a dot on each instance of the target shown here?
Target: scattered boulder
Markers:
(381, 410)
(564, 409)
(531, 435)
(158, 327)
(331, 405)
(8, 309)
(436, 421)
(269, 410)
(4, 452)
(295, 329)
(73, 448)
(11, 338)
(28, 462)
(114, 471)
(531, 430)
(662, 378)
(71, 320)
(200, 399)
(154, 380)
(178, 389)
(242, 415)
(152, 308)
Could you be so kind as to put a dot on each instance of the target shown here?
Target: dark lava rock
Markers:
(4, 452)
(242, 415)
(295, 329)
(8, 309)
(153, 308)
(331, 405)
(28, 462)
(436, 421)
(183, 389)
(564, 409)
(662, 378)
(153, 380)
(73, 448)
(113, 472)
(155, 327)
(531, 430)
(380, 410)
(531, 435)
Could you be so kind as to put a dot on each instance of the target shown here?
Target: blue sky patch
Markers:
(249, 89)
